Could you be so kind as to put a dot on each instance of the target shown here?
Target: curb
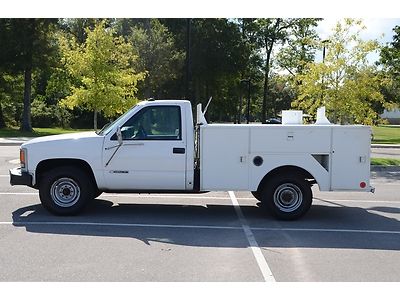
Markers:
(385, 168)
(390, 146)
(11, 143)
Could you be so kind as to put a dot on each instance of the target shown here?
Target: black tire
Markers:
(257, 195)
(65, 190)
(287, 196)
(97, 193)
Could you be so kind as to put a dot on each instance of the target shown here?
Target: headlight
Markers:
(22, 158)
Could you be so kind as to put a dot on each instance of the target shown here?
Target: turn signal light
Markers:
(22, 158)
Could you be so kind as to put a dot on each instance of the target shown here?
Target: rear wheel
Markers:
(287, 197)
(65, 190)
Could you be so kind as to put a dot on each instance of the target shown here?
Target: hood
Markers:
(61, 137)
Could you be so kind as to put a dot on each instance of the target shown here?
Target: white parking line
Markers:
(262, 263)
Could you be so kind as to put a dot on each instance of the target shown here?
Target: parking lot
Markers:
(217, 236)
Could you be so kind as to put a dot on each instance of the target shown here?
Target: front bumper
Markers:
(19, 177)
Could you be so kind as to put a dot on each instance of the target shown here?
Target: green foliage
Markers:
(390, 54)
(345, 83)
(44, 115)
(103, 66)
(300, 48)
(25, 47)
(11, 97)
(266, 35)
(158, 56)
(390, 60)
(385, 161)
(218, 57)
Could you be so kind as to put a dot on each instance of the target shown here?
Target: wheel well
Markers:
(49, 164)
(286, 170)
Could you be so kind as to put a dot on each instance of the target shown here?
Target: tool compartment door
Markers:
(350, 157)
(224, 158)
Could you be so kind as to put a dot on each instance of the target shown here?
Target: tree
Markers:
(390, 60)
(158, 55)
(218, 57)
(346, 83)
(300, 48)
(24, 47)
(267, 34)
(103, 69)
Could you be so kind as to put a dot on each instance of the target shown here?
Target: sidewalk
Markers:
(14, 141)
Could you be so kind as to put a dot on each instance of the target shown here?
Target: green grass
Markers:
(14, 132)
(385, 162)
(386, 134)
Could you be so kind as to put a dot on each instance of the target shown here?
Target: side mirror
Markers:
(119, 135)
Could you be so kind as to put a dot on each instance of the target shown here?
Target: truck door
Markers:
(153, 153)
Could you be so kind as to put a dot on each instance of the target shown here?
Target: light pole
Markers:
(248, 98)
(324, 42)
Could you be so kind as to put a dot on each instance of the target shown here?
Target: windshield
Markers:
(107, 128)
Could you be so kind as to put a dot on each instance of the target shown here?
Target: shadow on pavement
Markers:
(269, 233)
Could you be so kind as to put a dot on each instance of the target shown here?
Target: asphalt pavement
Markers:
(217, 236)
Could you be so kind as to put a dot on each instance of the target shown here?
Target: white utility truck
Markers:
(155, 148)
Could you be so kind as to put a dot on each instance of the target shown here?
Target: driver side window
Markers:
(154, 123)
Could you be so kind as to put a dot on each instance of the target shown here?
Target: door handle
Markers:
(178, 150)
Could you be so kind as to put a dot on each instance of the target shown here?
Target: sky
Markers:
(375, 28)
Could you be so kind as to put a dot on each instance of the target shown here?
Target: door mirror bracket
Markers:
(119, 135)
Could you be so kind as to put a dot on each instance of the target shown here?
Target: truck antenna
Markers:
(208, 103)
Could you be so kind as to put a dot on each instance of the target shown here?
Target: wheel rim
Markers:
(65, 192)
(288, 197)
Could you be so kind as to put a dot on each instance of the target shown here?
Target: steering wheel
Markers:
(141, 133)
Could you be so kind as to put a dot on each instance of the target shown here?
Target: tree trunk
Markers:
(266, 81)
(240, 109)
(95, 120)
(2, 122)
(26, 115)
(28, 55)
(188, 67)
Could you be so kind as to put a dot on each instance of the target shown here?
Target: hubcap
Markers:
(288, 197)
(65, 192)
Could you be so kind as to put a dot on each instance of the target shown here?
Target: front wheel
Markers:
(257, 195)
(65, 190)
(287, 197)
